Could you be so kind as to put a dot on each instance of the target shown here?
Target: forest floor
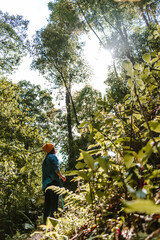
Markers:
(36, 236)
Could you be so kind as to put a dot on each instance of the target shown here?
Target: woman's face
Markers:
(55, 150)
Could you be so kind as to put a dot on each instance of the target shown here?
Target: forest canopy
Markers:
(109, 144)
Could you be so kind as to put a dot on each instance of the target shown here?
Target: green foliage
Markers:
(116, 89)
(12, 41)
(117, 176)
(122, 26)
(85, 102)
(38, 104)
(142, 206)
(56, 49)
(20, 149)
(57, 55)
(125, 182)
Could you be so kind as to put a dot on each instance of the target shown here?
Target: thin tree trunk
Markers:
(69, 126)
(154, 17)
(144, 17)
(69, 121)
(90, 25)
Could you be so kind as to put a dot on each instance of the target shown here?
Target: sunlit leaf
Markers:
(83, 124)
(51, 222)
(130, 83)
(155, 173)
(142, 206)
(128, 160)
(145, 152)
(71, 173)
(155, 59)
(88, 198)
(155, 32)
(128, 102)
(137, 66)
(147, 57)
(80, 157)
(23, 170)
(80, 165)
(138, 116)
(127, 65)
(88, 159)
(84, 175)
(140, 83)
(155, 126)
(104, 163)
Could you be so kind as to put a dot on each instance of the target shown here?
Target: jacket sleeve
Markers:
(55, 163)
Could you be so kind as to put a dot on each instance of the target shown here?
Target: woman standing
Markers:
(51, 176)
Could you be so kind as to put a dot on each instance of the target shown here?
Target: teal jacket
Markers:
(50, 168)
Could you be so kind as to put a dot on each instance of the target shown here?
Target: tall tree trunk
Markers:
(69, 127)
(69, 101)
(69, 121)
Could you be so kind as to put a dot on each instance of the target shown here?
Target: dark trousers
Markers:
(51, 202)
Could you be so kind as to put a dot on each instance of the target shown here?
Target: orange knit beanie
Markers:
(48, 147)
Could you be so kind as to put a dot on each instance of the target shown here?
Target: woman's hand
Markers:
(63, 178)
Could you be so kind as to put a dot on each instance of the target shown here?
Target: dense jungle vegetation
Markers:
(110, 144)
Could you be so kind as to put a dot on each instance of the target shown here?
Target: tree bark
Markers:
(69, 126)
(154, 17)
(69, 121)
(144, 17)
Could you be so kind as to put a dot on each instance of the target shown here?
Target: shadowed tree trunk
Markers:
(69, 127)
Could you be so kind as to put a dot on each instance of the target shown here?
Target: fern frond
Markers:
(59, 190)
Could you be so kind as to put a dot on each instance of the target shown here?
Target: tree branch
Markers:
(90, 25)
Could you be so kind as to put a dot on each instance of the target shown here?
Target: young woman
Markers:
(51, 176)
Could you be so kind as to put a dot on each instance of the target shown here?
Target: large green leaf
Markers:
(88, 159)
(137, 66)
(104, 163)
(72, 173)
(24, 170)
(51, 222)
(130, 83)
(127, 65)
(147, 57)
(141, 206)
(84, 175)
(83, 124)
(138, 116)
(80, 165)
(155, 126)
(140, 83)
(145, 152)
(88, 198)
(128, 159)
